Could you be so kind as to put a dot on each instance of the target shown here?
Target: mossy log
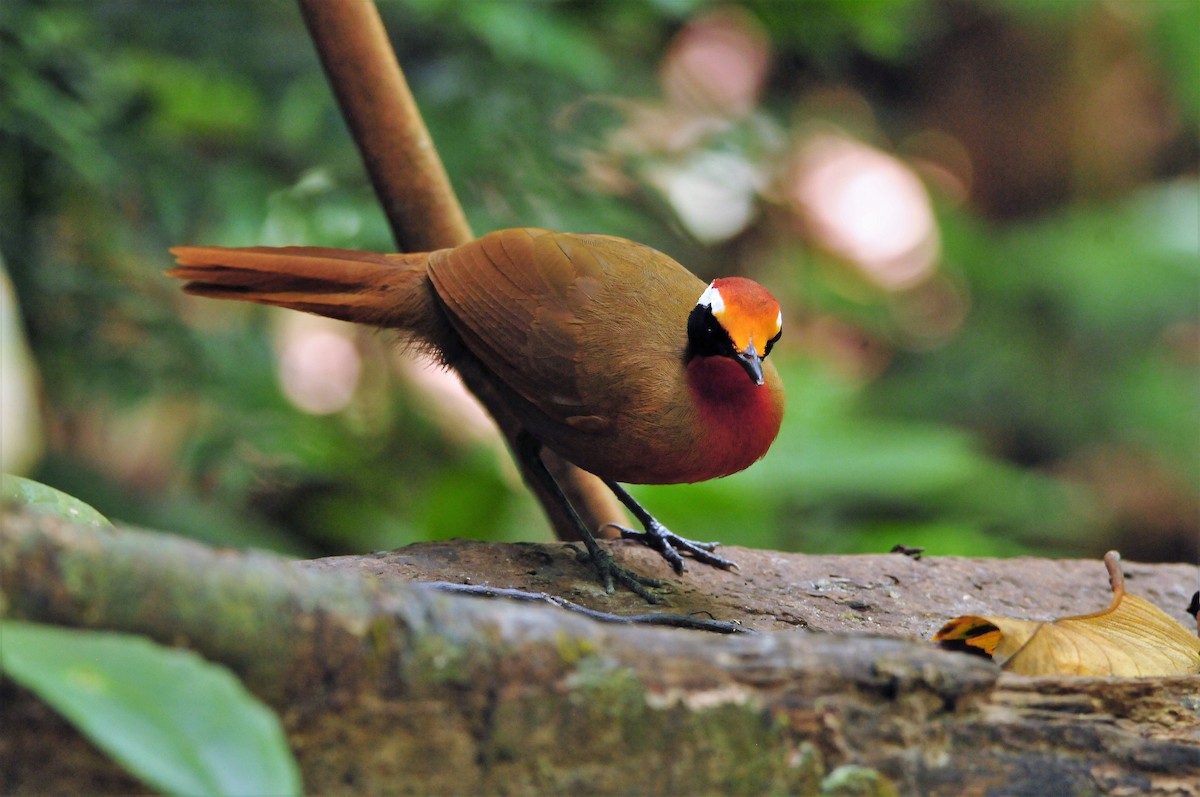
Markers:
(386, 686)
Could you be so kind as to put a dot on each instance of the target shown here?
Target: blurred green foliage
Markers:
(1042, 399)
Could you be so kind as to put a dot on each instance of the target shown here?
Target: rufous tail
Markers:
(364, 287)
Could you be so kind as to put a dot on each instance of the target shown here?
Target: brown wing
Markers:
(541, 309)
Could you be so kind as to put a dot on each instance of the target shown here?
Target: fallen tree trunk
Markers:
(388, 687)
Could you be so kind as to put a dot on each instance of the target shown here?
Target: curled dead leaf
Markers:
(1132, 637)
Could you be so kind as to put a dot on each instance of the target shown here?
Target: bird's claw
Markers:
(669, 544)
(612, 573)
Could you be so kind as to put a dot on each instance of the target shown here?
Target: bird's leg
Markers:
(529, 449)
(662, 539)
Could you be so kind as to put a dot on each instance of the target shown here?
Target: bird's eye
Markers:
(706, 335)
(771, 343)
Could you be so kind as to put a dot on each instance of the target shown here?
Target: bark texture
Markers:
(389, 687)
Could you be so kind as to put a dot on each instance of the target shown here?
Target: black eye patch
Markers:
(706, 336)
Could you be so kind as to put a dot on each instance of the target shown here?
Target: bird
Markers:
(603, 350)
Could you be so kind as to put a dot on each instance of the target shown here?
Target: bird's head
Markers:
(736, 318)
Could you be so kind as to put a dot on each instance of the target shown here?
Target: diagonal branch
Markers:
(383, 117)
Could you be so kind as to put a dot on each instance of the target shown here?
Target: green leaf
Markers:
(181, 724)
(25, 492)
(534, 35)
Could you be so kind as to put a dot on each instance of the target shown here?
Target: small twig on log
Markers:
(671, 620)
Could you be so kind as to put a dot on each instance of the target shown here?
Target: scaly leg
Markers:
(662, 539)
(606, 566)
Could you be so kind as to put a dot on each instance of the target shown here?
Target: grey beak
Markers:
(751, 363)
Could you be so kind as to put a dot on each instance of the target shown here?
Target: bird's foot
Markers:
(669, 544)
(612, 574)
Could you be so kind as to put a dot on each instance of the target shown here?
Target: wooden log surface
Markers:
(388, 687)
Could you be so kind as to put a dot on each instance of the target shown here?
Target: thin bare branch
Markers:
(415, 192)
(383, 117)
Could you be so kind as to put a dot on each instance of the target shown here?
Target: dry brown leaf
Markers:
(1132, 637)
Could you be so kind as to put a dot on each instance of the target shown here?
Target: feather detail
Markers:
(737, 419)
(369, 288)
(511, 297)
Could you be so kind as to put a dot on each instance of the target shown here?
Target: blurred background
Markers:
(982, 218)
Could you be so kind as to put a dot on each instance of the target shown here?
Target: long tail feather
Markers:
(369, 288)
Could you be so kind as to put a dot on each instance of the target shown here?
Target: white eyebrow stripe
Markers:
(712, 298)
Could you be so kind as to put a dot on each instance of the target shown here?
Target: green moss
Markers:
(856, 781)
(730, 747)
(438, 660)
(573, 648)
